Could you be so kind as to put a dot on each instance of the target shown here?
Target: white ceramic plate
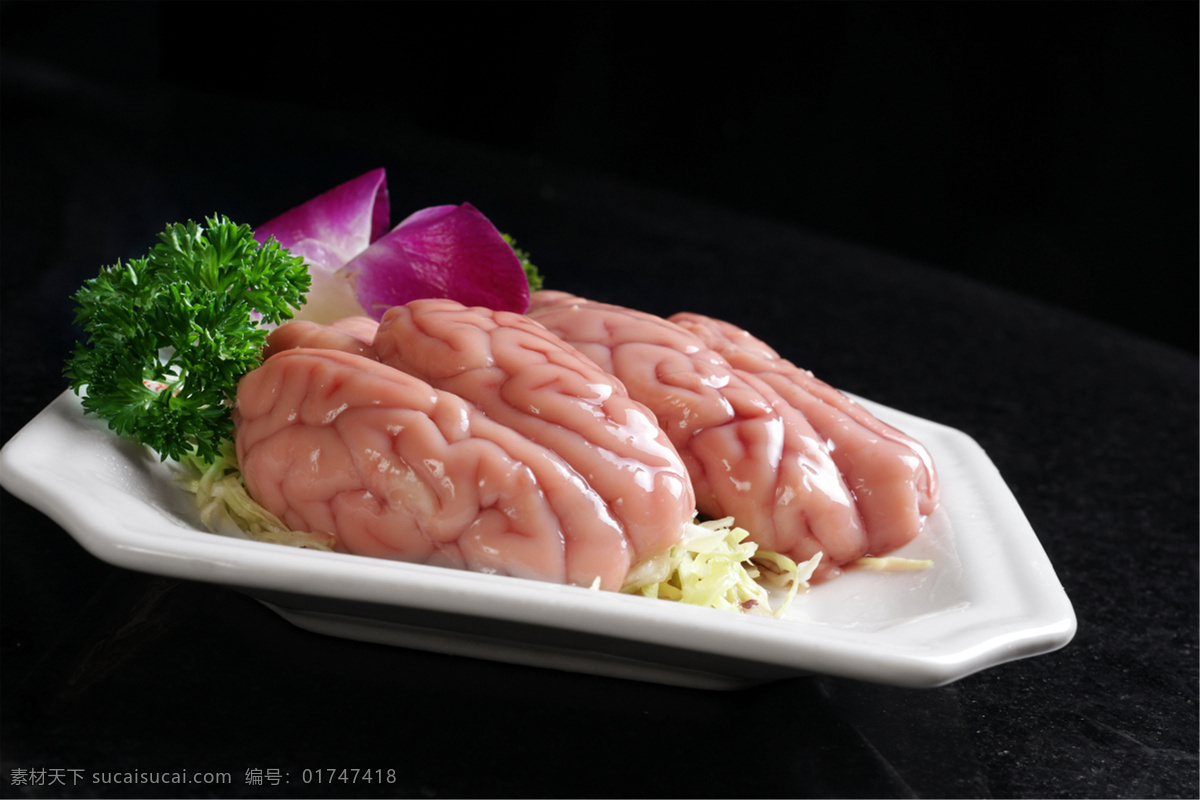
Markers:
(991, 596)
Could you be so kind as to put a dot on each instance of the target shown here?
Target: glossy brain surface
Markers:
(337, 442)
(892, 475)
(525, 378)
(802, 474)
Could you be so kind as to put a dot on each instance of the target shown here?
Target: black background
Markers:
(1049, 148)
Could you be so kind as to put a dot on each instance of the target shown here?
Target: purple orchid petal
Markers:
(332, 228)
(444, 251)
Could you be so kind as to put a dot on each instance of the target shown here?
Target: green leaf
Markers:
(185, 319)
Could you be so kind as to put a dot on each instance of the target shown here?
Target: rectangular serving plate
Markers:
(991, 595)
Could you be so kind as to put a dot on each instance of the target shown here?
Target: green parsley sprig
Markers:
(169, 335)
(532, 275)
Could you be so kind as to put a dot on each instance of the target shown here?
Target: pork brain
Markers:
(524, 377)
(892, 475)
(336, 442)
(750, 455)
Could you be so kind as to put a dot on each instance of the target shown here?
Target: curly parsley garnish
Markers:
(532, 275)
(169, 335)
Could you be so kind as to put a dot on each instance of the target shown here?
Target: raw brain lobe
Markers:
(522, 376)
(892, 476)
(562, 479)
(798, 464)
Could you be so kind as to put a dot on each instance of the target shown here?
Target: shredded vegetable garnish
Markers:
(892, 564)
(224, 504)
(716, 567)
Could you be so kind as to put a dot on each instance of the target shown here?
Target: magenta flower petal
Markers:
(444, 251)
(332, 228)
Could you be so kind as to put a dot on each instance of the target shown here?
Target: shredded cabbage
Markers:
(892, 564)
(716, 567)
